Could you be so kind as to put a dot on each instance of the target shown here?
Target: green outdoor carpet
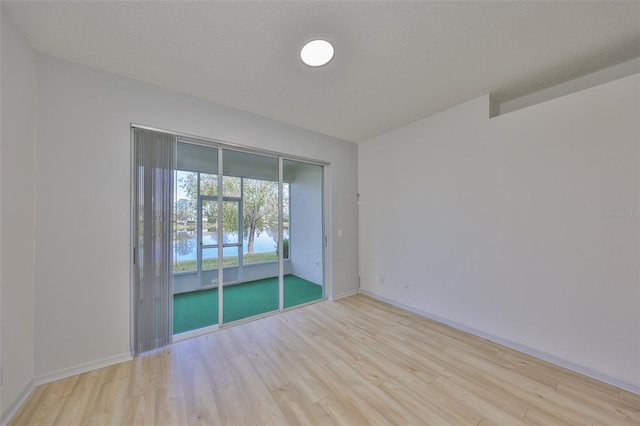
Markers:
(199, 309)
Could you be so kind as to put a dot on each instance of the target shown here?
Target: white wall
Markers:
(305, 249)
(82, 201)
(503, 226)
(17, 189)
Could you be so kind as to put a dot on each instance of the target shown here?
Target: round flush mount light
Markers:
(317, 53)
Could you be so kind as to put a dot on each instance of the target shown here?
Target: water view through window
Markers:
(249, 207)
(185, 246)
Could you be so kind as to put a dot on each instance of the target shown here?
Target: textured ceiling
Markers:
(395, 61)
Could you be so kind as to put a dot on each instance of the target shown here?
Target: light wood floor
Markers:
(355, 361)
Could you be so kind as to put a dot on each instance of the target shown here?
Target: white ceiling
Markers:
(395, 61)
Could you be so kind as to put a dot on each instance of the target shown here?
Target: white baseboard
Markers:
(344, 294)
(17, 403)
(578, 368)
(57, 375)
(82, 368)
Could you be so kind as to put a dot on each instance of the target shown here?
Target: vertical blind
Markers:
(155, 163)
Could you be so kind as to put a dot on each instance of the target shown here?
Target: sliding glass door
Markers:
(253, 281)
(246, 234)
(304, 225)
(195, 238)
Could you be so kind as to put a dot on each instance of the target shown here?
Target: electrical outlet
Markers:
(406, 287)
(381, 281)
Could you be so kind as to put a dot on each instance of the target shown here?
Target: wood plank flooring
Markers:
(355, 361)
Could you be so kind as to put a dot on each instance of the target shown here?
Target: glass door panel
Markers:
(232, 221)
(208, 233)
(303, 239)
(251, 286)
(195, 283)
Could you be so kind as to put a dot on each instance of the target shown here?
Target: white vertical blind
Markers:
(155, 163)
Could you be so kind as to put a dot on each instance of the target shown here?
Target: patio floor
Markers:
(199, 309)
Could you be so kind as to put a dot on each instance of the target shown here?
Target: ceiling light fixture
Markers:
(317, 53)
